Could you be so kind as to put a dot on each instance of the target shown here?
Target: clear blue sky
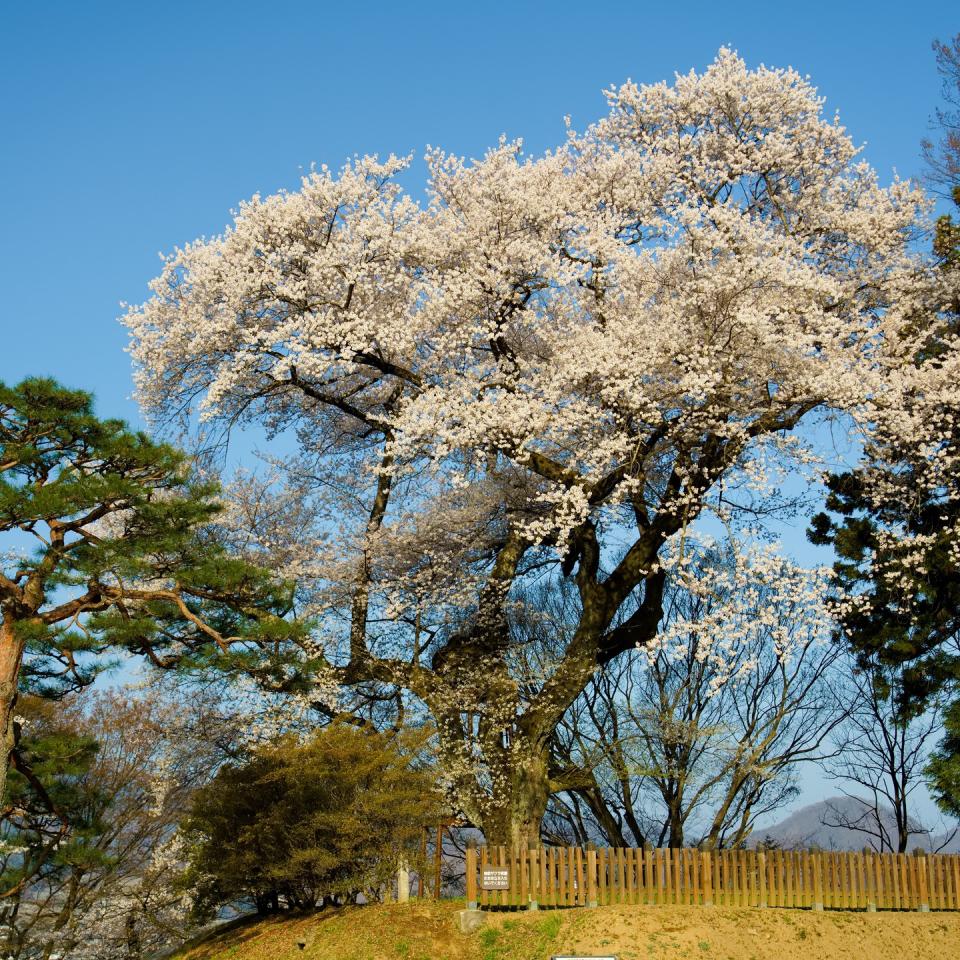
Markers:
(128, 127)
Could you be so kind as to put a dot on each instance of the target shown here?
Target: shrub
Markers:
(303, 824)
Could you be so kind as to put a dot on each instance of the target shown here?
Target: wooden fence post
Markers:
(923, 892)
(602, 858)
(534, 860)
(815, 859)
(471, 874)
(762, 877)
(649, 873)
(484, 898)
(438, 862)
(591, 875)
(421, 886)
(707, 878)
(524, 867)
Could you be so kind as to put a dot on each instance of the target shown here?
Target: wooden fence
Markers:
(574, 877)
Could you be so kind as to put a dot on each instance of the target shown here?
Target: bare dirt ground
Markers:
(426, 931)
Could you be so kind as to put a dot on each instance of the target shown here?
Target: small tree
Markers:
(695, 738)
(879, 762)
(87, 864)
(302, 824)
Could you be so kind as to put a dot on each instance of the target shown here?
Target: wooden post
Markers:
(524, 868)
(621, 875)
(879, 888)
(576, 862)
(591, 875)
(817, 881)
(707, 878)
(762, 877)
(737, 878)
(602, 875)
(421, 886)
(437, 862)
(484, 896)
(535, 872)
(923, 890)
(560, 883)
(552, 879)
(502, 864)
(472, 875)
(543, 889)
(649, 874)
(773, 879)
(826, 873)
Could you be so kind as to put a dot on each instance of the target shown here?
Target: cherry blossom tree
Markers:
(552, 367)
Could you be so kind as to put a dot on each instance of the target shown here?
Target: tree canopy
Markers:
(550, 369)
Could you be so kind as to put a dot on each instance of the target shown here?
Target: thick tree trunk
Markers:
(514, 812)
(11, 653)
(675, 822)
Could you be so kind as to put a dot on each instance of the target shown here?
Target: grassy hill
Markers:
(426, 931)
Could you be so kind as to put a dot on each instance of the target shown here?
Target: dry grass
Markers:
(426, 931)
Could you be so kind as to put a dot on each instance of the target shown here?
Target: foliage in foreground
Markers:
(88, 859)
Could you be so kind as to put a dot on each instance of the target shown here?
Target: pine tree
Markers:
(122, 555)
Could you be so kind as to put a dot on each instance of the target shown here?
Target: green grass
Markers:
(550, 926)
(490, 943)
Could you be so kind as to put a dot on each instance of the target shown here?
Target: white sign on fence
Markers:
(494, 879)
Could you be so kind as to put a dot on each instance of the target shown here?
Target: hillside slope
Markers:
(817, 825)
(426, 931)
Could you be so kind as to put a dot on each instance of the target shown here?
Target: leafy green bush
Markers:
(302, 824)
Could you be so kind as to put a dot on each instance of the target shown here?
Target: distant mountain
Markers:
(821, 825)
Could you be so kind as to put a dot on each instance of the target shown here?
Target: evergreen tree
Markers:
(897, 554)
(303, 823)
(122, 554)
